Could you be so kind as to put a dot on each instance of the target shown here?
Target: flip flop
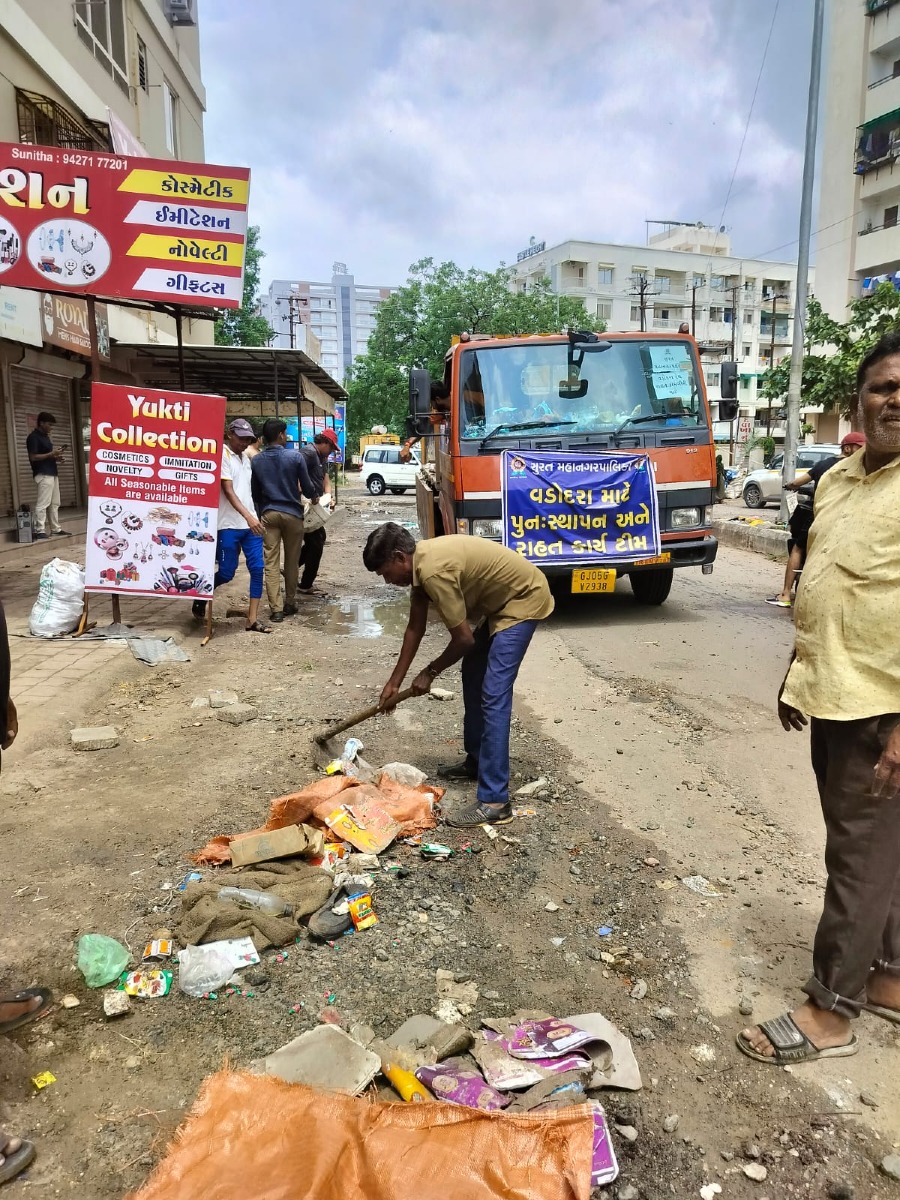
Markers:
(889, 1014)
(792, 1045)
(46, 998)
(778, 602)
(16, 1162)
(259, 627)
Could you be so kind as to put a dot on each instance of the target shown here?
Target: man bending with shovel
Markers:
(491, 600)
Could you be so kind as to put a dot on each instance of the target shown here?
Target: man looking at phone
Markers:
(45, 468)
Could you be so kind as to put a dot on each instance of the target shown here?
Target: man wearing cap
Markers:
(238, 525)
(805, 485)
(323, 446)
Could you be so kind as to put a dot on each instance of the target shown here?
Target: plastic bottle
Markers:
(405, 1083)
(248, 898)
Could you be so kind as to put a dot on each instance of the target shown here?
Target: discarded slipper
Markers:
(325, 925)
(888, 1014)
(45, 996)
(791, 1044)
(16, 1161)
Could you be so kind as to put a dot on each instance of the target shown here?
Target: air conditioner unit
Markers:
(180, 12)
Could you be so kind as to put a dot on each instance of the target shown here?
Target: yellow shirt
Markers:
(847, 663)
(469, 578)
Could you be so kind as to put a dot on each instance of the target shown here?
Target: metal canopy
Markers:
(261, 373)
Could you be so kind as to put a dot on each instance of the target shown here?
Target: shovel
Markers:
(372, 711)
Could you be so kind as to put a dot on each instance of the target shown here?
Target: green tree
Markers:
(834, 350)
(244, 326)
(414, 328)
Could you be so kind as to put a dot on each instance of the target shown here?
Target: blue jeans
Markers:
(231, 542)
(489, 671)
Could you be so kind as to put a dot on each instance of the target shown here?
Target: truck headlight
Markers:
(490, 527)
(684, 518)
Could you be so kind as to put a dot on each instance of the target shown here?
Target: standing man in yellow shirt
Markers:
(469, 580)
(845, 676)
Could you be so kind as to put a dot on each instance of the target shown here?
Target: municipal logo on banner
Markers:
(575, 509)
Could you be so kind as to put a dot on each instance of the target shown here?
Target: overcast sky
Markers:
(379, 133)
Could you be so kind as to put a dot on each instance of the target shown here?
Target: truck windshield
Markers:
(640, 384)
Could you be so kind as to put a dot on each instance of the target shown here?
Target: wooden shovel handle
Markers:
(364, 715)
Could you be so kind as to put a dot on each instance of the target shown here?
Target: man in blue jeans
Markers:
(238, 525)
(471, 582)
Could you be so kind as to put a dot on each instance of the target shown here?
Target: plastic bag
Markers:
(57, 609)
(316, 515)
(203, 969)
(101, 959)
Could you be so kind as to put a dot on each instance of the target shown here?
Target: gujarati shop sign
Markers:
(127, 228)
(153, 491)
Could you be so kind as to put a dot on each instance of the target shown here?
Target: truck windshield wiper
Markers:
(515, 428)
(640, 421)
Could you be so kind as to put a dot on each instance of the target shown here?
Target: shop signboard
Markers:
(65, 323)
(127, 228)
(153, 491)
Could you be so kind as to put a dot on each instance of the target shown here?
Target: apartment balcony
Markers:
(882, 96)
(885, 23)
(783, 334)
(671, 323)
(877, 151)
(878, 248)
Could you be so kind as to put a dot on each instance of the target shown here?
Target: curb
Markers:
(761, 539)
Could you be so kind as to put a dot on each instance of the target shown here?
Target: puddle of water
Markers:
(357, 618)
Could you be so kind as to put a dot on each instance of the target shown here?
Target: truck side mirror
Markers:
(728, 388)
(419, 392)
(417, 427)
(728, 410)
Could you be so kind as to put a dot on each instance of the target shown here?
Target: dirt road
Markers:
(655, 732)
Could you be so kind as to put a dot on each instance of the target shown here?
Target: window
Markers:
(717, 281)
(745, 382)
(748, 318)
(170, 117)
(604, 310)
(142, 65)
(716, 314)
(712, 378)
(890, 217)
(698, 281)
(635, 312)
(663, 283)
(745, 349)
(101, 26)
(604, 275)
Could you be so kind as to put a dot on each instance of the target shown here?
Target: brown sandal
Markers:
(259, 627)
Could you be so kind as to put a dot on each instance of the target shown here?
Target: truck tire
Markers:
(753, 496)
(375, 485)
(652, 587)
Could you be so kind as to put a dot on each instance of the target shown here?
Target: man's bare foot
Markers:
(11, 1010)
(884, 990)
(824, 1029)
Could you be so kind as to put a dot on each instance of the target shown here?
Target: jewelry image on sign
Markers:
(71, 251)
(10, 247)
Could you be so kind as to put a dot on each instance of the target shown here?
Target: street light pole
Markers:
(792, 432)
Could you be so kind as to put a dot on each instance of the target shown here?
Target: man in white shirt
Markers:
(239, 526)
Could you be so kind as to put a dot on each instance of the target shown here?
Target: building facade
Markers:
(88, 75)
(743, 308)
(340, 314)
(859, 235)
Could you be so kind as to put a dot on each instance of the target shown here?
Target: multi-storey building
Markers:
(341, 315)
(859, 237)
(103, 75)
(684, 274)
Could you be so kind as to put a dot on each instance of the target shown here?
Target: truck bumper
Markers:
(693, 552)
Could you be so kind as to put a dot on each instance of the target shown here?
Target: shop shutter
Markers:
(7, 505)
(39, 391)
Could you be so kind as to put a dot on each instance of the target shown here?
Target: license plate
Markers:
(598, 579)
(657, 558)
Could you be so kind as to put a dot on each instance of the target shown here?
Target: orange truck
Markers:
(587, 396)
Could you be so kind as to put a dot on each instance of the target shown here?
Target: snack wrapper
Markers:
(547, 1039)
(458, 1083)
(146, 983)
(361, 910)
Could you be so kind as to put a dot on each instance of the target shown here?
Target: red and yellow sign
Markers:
(110, 225)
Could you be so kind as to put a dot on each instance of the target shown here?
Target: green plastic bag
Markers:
(101, 959)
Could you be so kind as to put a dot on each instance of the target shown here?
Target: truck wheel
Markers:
(753, 496)
(651, 587)
(376, 485)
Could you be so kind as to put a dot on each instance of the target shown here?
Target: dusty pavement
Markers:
(655, 732)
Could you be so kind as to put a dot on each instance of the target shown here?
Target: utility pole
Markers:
(792, 432)
(734, 320)
(642, 284)
(694, 310)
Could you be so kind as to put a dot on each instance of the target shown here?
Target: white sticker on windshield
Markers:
(671, 371)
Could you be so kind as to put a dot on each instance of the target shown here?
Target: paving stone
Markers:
(99, 737)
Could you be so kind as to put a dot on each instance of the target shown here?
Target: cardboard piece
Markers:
(326, 1058)
(277, 843)
(364, 825)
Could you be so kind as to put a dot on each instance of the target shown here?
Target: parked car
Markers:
(383, 470)
(762, 486)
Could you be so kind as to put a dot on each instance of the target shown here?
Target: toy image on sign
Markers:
(123, 227)
(574, 509)
(155, 464)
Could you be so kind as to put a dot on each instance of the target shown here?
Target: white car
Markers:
(762, 486)
(383, 470)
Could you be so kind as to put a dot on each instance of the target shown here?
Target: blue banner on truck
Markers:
(575, 509)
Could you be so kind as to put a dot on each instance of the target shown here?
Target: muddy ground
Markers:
(94, 843)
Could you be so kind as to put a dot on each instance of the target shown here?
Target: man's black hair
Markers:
(42, 417)
(384, 542)
(272, 430)
(320, 438)
(889, 344)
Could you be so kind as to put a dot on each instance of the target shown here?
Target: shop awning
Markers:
(267, 376)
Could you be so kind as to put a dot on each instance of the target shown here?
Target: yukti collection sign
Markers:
(110, 225)
(577, 509)
(153, 491)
